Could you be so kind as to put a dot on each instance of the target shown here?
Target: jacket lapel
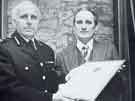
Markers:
(98, 51)
(80, 58)
(75, 58)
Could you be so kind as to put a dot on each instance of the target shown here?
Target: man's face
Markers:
(27, 21)
(84, 24)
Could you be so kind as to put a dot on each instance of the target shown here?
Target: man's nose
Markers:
(29, 21)
(83, 27)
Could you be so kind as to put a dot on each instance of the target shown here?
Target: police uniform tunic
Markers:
(27, 73)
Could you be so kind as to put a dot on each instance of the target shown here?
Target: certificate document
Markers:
(88, 80)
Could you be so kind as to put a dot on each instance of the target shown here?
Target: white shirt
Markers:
(89, 44)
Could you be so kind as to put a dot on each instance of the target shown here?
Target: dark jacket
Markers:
(26, 74)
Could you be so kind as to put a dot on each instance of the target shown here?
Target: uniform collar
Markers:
(21, 40)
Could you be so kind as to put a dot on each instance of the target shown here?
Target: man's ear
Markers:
(96, 27)
(14, 23)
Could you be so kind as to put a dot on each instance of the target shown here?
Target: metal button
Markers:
(45, 91)
(26, 68)
(41, 64)
(123, 66)
(43, 77)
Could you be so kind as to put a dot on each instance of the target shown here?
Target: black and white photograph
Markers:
(67, 50)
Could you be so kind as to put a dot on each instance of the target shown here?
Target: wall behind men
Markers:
(57, 15)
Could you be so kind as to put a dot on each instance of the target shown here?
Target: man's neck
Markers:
(85, 40)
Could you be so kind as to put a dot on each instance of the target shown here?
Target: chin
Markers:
(85, 36)
(29, 35)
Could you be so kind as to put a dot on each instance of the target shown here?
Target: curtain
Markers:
(131, 33)
(122, 41)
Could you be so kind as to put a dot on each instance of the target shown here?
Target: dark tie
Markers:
(84, 51)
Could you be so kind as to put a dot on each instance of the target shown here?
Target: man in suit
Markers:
(86, 49)
(27, 70)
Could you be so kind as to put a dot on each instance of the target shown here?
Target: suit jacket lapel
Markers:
(80, 58)
(98, 52)
(94, 51)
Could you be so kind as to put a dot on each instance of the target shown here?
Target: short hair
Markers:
(15, 9)
(89, 10)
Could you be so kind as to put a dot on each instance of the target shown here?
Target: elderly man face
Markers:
(26, 17)
(84, 24)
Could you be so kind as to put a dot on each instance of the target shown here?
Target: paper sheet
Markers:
(88, 80)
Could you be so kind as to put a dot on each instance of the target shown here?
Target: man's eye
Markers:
(88, 22)
(79, 22)
(33, 17)
(23, 16)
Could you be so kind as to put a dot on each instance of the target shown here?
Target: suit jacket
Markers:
(26, 74)
(71, 57)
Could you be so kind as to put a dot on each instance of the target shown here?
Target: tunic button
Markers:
(26, 68)
(45, 91)
(41, 64)
(43, 77)
(123, 66)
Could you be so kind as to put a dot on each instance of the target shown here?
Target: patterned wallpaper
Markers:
(57, 15)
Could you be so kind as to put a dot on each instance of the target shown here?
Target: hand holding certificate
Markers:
(88, 80)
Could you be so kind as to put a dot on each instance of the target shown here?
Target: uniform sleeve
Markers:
(11, 86)
(50, 68)
(60, 67)
(52, 76)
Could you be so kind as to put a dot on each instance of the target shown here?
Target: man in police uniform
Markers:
(27, 70)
